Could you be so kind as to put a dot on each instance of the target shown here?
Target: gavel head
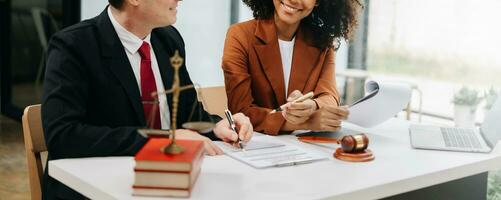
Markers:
(354, 143)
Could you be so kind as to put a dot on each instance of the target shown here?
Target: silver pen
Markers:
(286, 164)
(229, 116)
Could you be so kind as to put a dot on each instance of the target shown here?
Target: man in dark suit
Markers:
(98, 85)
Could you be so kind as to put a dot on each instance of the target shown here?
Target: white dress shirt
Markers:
(132, 43)
(286, 52)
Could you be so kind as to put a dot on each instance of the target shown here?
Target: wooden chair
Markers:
(36, 150)
(213, 99)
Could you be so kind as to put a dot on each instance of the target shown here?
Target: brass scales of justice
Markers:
(172, 148)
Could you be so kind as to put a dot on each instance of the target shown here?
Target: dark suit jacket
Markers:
(254, 77)
(91, 103)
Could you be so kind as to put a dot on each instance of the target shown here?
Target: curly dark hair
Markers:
(329, 21)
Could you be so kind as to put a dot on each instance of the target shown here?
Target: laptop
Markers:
(481, 140)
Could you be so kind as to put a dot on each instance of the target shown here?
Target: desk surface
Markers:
(397, 168)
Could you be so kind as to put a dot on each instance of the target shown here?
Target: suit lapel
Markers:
(114, 56)
(122, 69)
(163, 59)
(269, 57)
(304, 59)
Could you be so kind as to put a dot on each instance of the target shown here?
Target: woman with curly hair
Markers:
(285, 52)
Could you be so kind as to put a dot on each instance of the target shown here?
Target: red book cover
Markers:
(150, 157)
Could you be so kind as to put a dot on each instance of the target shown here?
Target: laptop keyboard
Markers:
(461, 138)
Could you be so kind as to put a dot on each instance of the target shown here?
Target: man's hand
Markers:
(211, 148)
(244, 128)
(296, 113)
(328, 118)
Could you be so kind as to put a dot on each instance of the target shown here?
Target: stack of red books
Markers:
(159, 174)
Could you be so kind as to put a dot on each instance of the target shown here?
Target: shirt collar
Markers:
(288, 42)
(130, 41)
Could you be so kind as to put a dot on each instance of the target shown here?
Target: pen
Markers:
(317, 139)
(229, 116)
(308, 95)
(286, 164)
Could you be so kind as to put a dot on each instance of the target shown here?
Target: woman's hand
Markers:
(328, 118)
(298, 112)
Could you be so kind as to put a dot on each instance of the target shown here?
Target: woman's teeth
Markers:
(288, 8)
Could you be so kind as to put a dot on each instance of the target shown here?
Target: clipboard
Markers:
(271, 153)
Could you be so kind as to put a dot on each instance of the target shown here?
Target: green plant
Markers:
(494, 185)
(466, 96)
(490, 97)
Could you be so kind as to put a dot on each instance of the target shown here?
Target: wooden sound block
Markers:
(363, 156)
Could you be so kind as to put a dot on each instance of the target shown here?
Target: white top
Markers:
(286, 52)
(225, 178)
(132, 43)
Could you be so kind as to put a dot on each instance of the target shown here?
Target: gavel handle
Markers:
(317, 139)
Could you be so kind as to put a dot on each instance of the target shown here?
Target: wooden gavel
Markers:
(349, 143)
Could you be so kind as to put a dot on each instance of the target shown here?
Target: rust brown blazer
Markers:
(254, 77)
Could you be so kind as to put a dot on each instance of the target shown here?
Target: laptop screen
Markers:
(491, 127)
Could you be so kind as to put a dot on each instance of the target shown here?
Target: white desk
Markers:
(397, 169)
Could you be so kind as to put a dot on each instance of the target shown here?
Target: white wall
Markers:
(203, 25)
(91, 8)
(244, 12)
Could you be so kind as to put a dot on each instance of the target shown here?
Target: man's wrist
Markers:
(212, 135)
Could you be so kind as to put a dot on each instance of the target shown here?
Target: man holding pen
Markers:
(98, 84)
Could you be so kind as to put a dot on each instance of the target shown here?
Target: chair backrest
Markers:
(34, 142)
(45, 25)
(213, 99)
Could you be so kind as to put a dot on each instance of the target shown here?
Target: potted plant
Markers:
(490, 97)
(465, 103)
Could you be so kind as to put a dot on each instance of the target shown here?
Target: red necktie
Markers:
(148, 87)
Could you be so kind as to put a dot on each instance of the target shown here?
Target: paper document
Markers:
(266, 151)
(381, 102)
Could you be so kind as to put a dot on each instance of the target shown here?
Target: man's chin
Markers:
(170, 22)
(164, 24)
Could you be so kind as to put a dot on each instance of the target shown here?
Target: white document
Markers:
(266, 151)
(381, 102)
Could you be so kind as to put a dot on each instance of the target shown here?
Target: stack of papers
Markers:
(381, 102)
(266, 151)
